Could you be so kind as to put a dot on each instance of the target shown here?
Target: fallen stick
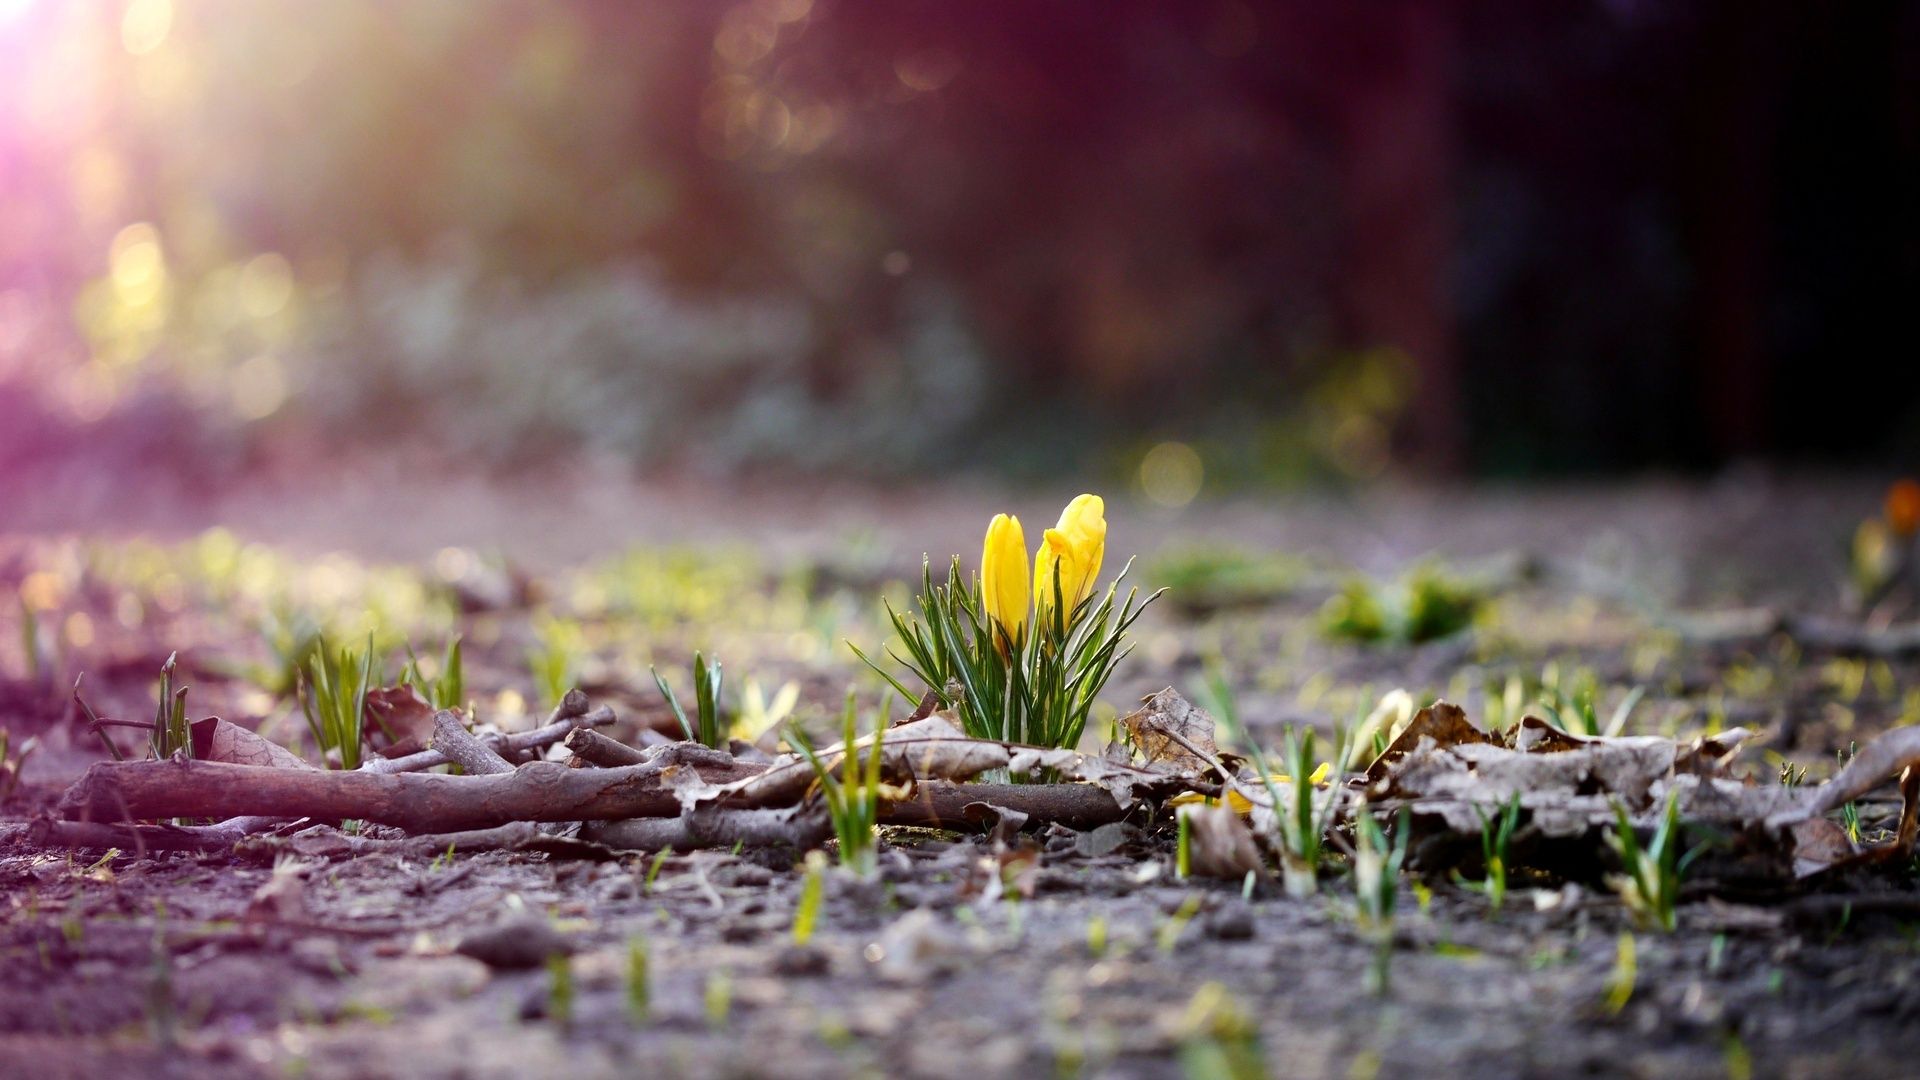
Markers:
(592, 748)
(417, 802)
(941, 804)
(539, 737)
(712, 827)
(134, 839)
(451, 738)
(333, 844)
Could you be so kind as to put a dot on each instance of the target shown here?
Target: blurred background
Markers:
(1195, 247)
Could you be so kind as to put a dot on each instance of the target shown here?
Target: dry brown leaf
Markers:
(402, 721)
(1154, 726)
(1219, 844)
(215, 739)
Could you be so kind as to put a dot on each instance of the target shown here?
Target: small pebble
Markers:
(802, 961)
(515, 946)
(1232, 923)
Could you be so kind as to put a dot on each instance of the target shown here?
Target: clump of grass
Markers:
(447, 687)
(706, 727)
(1037, 690)
(333, 694)
(1496, 841)
(853, 797)
(1425, 605)
(170, 734)
(1650, 886)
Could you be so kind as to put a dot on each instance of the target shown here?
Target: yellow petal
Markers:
(1003, 577)
(1073, 549)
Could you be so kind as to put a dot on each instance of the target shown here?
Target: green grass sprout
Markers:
(705, 727)
(853, 797)
(333, 694)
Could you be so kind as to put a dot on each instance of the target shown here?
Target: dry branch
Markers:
(593, 748)
(333, 844)
(418, 802)
(451, 738)
(939, 804)
(546, 735)
(134, 839)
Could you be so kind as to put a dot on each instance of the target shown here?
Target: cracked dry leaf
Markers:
(1219, 844)
(402, 720)
(1153, 728)
(215, 739)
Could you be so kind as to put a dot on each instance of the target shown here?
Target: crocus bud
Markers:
(1072, 549)
(1003, 580)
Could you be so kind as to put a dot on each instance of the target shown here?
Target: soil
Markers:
(210, 966)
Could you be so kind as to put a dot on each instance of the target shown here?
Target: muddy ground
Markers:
(208, 966)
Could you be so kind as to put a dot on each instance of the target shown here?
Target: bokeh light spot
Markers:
(137, 264)
(145, 25)
(259, 387)
(266, 285)
(1171, 474)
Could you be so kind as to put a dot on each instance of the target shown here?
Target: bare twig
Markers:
(939, 804)
(451, 738)
(543, 736)
(710, 826)
(593, 748)
(333, 844)
(419, 802)
(98, 836)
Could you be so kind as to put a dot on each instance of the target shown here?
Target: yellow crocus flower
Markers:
(1003, 579)
(1073, 547)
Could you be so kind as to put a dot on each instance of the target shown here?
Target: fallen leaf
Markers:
(215, 739)
(1168, 730)
(1219, 844)
(402, 721)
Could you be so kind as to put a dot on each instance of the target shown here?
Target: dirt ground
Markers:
(208, 966)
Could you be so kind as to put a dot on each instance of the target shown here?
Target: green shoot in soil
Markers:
(705, 728)
(639, 981)
(853, 798)
(1183, 848)
(1650, 887)
(1625, 974)
(1496, 837)
(333, 694)
(12, 760)
(170, 733)
(447, 689)
(807, 912)
(1302, 824)
(1376, 877)
(560, 989)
